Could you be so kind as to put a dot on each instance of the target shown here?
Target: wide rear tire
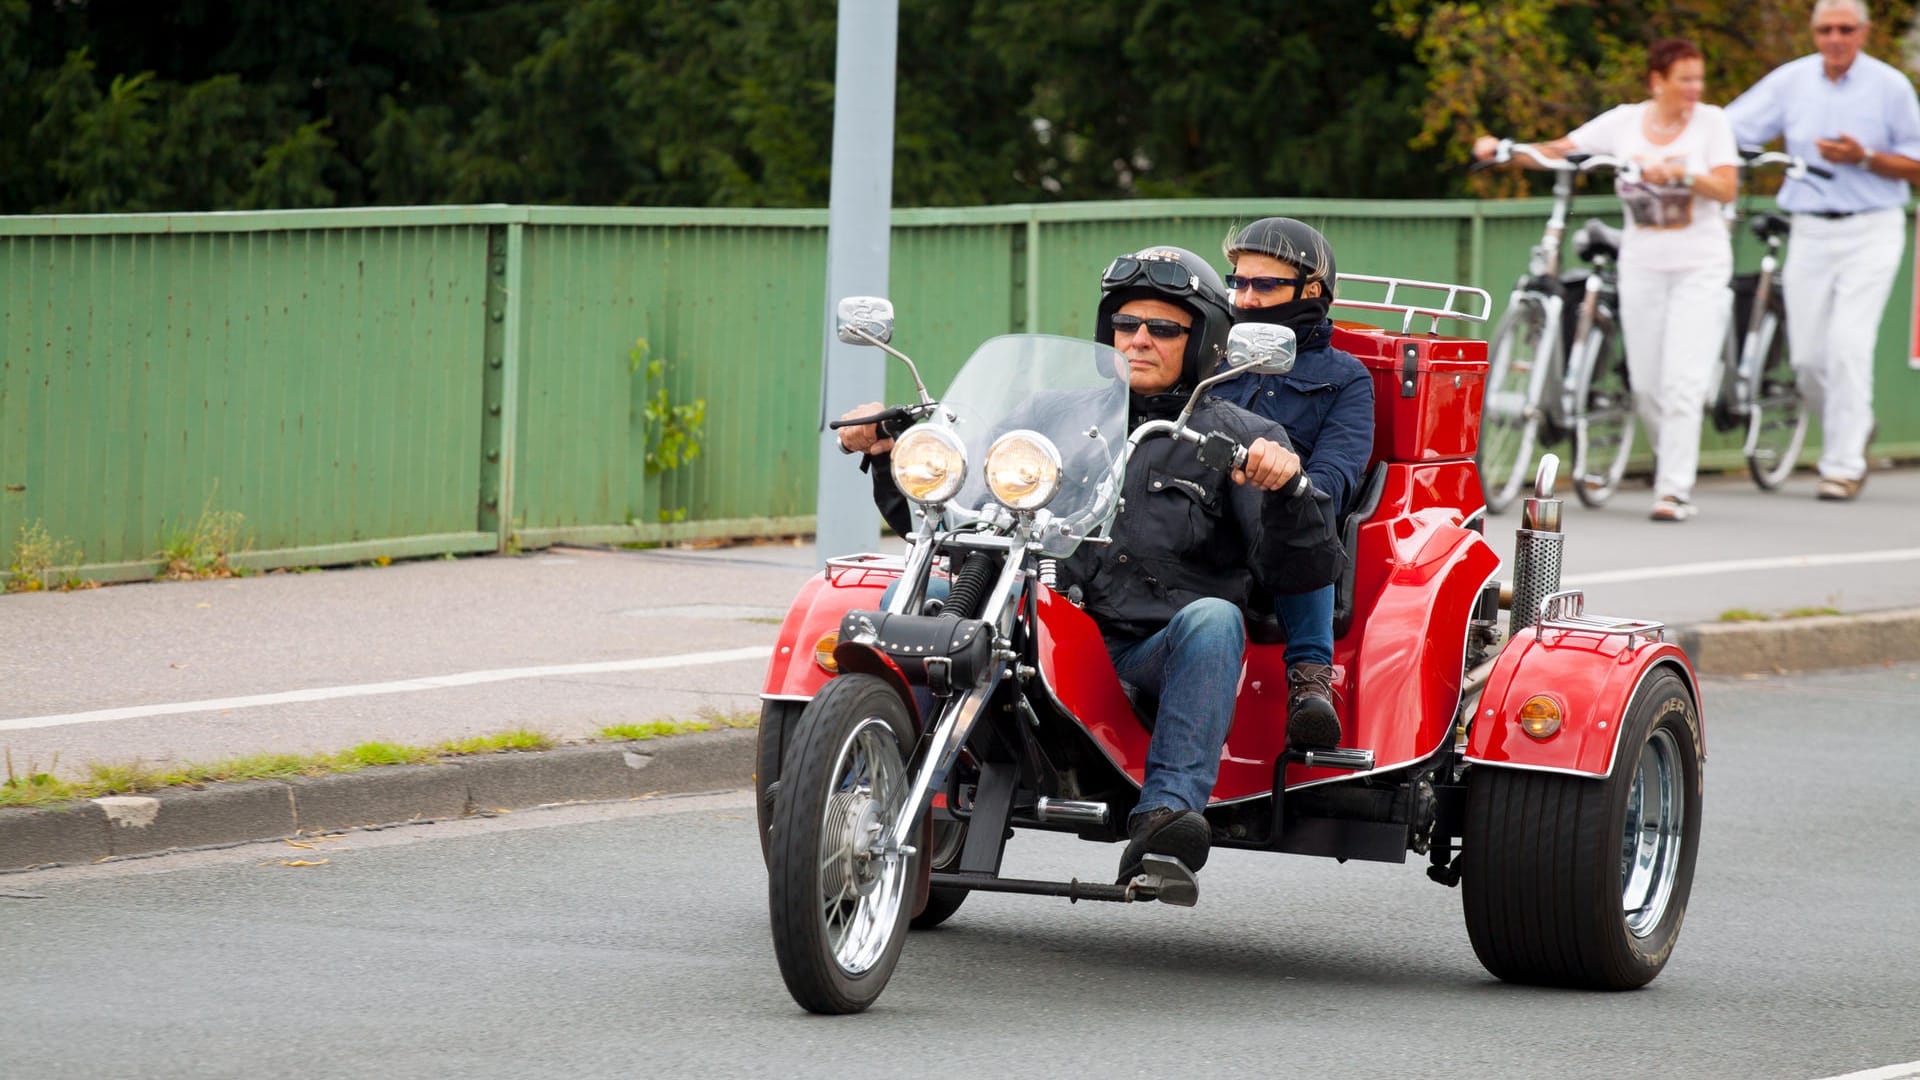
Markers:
(1510, 407)
(949, 837)
(839, 910)
(1583, 882)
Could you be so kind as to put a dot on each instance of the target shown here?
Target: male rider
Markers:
(1188, 544)
(1283, 273)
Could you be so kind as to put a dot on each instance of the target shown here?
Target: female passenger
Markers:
(1676, 257)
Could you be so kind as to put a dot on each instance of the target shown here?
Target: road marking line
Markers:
(1885, 1072)
(403, 686)
(1741, 566)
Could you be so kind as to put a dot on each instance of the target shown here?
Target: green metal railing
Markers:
(399, 382)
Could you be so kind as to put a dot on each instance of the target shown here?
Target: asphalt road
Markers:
(632, 940)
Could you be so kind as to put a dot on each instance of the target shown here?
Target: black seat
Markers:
(1768, 226)
(1597, 239)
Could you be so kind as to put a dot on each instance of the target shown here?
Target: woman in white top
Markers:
(1676, 257)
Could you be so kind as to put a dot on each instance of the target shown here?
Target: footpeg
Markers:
(1166, 879)
(1334, 758)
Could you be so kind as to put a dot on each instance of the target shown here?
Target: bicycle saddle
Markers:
(1596, 239)
(1768, 226)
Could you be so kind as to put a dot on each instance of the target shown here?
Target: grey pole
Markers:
(860, 203)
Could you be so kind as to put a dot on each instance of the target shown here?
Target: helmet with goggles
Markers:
(1179, 277)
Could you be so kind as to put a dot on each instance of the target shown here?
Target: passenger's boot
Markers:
(1311, 721)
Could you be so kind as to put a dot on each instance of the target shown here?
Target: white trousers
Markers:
(1838, 274)
(1675, 324)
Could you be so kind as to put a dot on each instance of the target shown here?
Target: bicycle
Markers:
(1547, 378)
(1757, 389)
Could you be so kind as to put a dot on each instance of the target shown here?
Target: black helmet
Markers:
(1293, 242)
(1180, 277)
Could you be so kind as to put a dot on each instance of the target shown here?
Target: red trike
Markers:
(1556, 778)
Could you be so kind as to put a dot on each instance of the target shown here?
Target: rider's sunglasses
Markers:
(1261, 285)
(1165, 329)
(1163, 273)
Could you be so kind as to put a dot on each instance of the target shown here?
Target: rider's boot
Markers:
(1164, 830)
(1311, 721)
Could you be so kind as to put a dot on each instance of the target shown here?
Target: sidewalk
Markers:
(570, 641)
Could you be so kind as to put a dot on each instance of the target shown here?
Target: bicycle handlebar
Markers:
(1575, 163)
(1798, 168)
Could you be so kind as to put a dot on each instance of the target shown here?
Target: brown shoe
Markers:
(1311, 720)
(1164, 830)
(1835, 489)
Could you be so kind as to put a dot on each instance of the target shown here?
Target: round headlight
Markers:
(1023, 470)
(929, 463)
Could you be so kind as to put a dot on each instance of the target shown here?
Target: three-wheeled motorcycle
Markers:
(921, 710)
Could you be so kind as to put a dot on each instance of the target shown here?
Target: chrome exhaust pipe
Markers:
(1537, 549)
(1069, 811)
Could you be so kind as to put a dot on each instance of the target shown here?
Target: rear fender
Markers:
(1592, 677)
(826, 597)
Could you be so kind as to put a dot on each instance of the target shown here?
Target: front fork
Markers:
(956, 718)
(1577, 351)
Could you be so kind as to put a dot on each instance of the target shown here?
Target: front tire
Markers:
(1510, 407)
(1777, 414)
(777, 723)
(839, 909)
(1603, 429)
(1580, 881)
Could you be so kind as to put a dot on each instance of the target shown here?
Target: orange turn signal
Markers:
(1540, 716)
(823, 653)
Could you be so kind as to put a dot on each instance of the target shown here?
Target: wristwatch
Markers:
(1686, 179)
(1866, 159)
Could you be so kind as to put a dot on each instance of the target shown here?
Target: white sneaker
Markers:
(1671, 508)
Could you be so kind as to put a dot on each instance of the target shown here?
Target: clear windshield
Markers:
(1062, 388)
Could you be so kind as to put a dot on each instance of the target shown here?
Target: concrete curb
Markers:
(220, 814)
(225, 814)
(1802, 644)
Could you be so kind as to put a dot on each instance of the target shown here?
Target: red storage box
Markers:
(1426, 391)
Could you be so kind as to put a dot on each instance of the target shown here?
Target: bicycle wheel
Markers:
(1603, 427)
(1510, 413)
(1777, 414)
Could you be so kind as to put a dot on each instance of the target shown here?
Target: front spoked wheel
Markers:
(1510, 409)
(1777, 414)
(1603, 429)
(1583, 881)
(839, 904)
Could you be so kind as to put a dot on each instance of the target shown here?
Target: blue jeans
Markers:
(1308, 618)
(1193, 665)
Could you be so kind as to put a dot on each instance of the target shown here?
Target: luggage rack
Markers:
(1448, 307)
(1567, 610)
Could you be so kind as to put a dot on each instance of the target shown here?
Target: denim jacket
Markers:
(1326, 405)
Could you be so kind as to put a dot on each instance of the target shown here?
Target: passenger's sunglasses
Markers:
(1165, 329)
(1162, 273)
(1261, 285)
(1844, 31)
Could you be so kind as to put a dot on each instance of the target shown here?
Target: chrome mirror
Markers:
(1263, 348)
(864, 320)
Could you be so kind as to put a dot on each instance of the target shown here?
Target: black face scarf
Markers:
(1302, 316)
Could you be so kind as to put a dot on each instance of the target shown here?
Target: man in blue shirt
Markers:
(1861, 117)
(1283, 273)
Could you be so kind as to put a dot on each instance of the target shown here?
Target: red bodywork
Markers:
(1419, 569)
(1591, 676)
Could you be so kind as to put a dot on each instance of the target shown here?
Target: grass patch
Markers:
(202, 550)
(30, 787)
(1807, 612)
(502, 743)
(42, 561)
(1741, 614)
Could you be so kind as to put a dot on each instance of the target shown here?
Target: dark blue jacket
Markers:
(1326, 405)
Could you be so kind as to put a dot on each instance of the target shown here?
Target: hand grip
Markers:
(1822, 173)
(891, 421)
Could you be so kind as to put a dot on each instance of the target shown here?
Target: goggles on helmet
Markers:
(1162, 274)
